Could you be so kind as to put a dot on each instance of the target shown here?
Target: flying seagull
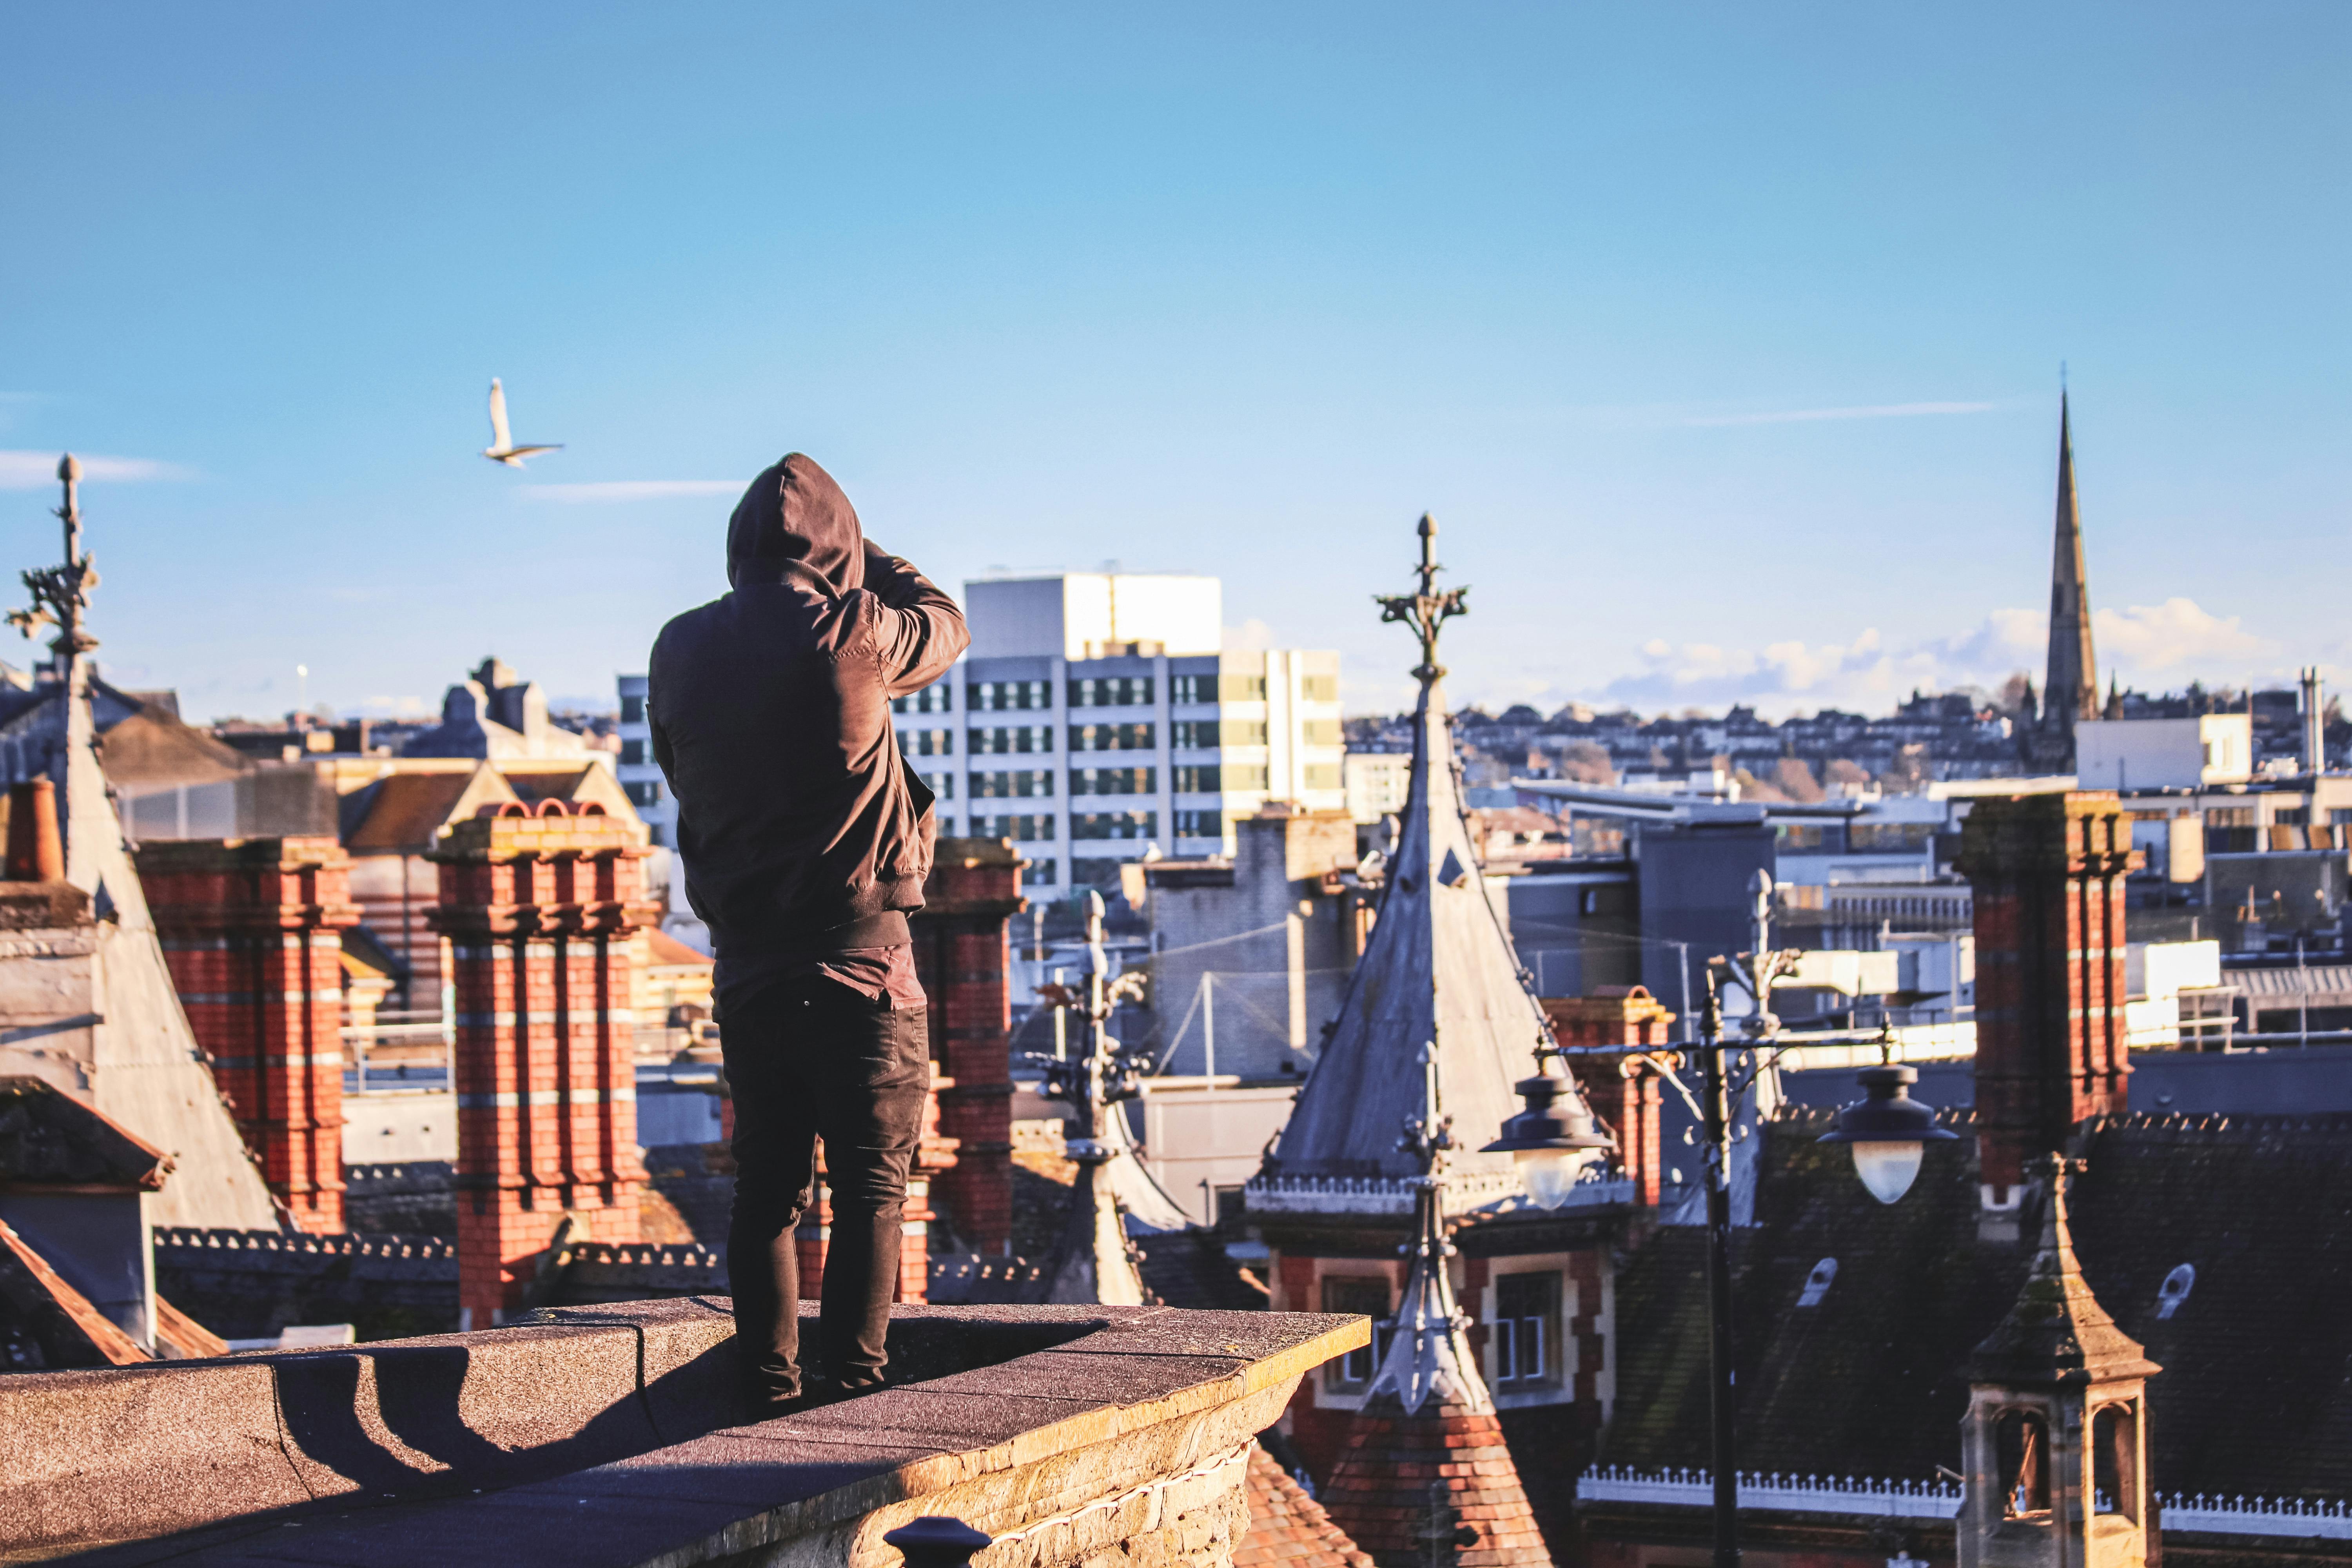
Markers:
(502, 449)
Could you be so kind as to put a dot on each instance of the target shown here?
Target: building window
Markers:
(1319, 689)
(1200, 824)
(1242, 733)
(1237, 689)
(2230, 816)
(1111, 737)
(1526, 1329)
(1321, 733)
(633, 753)
(1193, 734)
(1113, 780)
(643, 792)
(1111, 691)
(1197, 780)
(1891, 837)
(1114, 823)
(1006, 696)
(633, 710)
(929, 700)
(1322, 776)
(2339, 814)
(927, 743)
(2292, 816)
(1021, 830)
(1800, 836)
(940, 784)
(1191, 689)
(1241, 688)
(1367, 1295)
(1012, 785)
(1005, 742)
(1246, 775)
(1095, 872)
(1037, 874)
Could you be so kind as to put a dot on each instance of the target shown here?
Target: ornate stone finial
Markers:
(1428, 1355)
(1427, 610)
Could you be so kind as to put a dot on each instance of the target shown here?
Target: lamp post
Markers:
(1888, 1130)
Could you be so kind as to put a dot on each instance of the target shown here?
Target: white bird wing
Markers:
(500, 441)
(533, 451)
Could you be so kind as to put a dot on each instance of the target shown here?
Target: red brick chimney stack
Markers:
(963, 953)
(35, 854)
(1623, 1093)
(2048, 872)
(252, 929)
(539, 905)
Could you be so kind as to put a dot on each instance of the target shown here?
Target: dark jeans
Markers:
(810, 1059)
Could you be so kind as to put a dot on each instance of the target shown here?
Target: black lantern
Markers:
(1888, 1131)
(1551, 1149)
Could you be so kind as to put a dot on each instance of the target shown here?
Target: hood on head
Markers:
(795, 516)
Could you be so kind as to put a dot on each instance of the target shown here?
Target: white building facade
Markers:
(1097, 720)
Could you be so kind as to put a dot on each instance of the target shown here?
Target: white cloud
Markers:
(38, 470)
(628, 490)
(2155, 646)
(2165, 636)
(1871, 411)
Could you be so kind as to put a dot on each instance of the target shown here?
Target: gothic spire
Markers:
(2070, 690)
(1440, 967)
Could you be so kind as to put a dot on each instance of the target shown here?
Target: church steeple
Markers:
(2070, 690)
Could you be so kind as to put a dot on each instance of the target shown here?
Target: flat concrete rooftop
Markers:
(602, 1436)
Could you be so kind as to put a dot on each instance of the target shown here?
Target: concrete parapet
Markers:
(601, 1437)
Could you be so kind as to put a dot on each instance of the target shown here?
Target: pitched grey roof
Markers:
(1440, 966)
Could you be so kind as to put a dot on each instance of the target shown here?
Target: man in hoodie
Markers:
(806, 843)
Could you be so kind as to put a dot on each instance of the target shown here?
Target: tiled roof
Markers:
(1871, 1380)
(1380, 1492)
(665, 948)
(49, 1138)
(405, 811)
(1289, 1529)
(46, 1323)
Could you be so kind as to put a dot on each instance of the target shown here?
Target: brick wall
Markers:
(251, 929)
(2047, 871)
(538, 904)
(1622, 1092)
(963, 952)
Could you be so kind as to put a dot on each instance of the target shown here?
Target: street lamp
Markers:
(1888, 1131)
(1550, 1149)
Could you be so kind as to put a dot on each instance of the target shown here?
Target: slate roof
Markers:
(403, 813)
(1439, 965)
(2255, 1397)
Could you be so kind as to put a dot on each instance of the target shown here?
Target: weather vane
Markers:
(60, 593)
(1428, 610)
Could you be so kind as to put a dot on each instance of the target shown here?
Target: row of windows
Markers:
(1187, 734)
(1092, 692)
(1186, 778)
(1039, 828)
(1523, 1335)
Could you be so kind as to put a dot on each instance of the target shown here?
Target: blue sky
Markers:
(1723, 339)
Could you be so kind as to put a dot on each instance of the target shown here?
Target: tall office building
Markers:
(1097, 720)
(639, 774)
